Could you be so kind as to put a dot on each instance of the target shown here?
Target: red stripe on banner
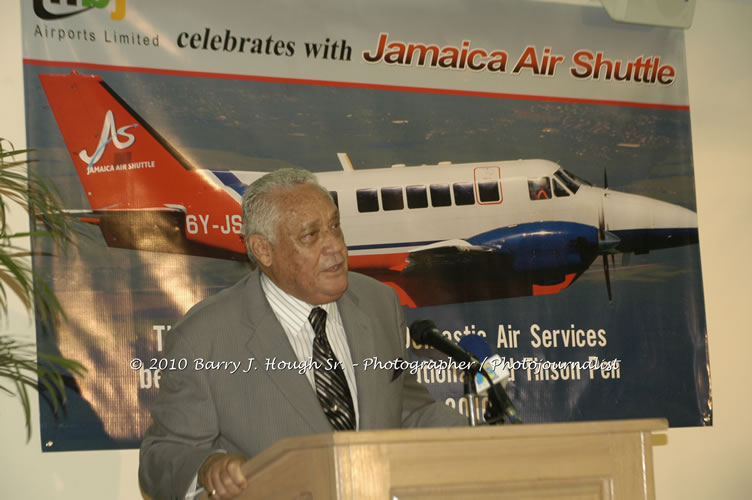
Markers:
(356, 85)
(405, 299)
(550, 289)
(391, 261)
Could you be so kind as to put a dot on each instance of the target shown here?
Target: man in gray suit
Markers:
(252, 376)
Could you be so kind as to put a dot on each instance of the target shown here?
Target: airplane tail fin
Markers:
(109, 142)
(126, 165)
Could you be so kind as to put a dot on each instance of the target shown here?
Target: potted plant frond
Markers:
(22, 369)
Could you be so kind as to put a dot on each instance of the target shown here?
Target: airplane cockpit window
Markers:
(464, 194)
(368, 200)
(488, 192)
(559, 189)
(417, 197)
(573, 185)
(335, 198)
(539, 188)
(577, 178)
(392, 199)
(440, 196)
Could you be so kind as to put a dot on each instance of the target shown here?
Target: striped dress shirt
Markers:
(292, 313)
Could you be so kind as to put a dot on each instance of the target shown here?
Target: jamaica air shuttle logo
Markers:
(59, 9)
(119, 137)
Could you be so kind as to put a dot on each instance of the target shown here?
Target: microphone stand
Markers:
(499, 404)
(471, 394)
(495, 410)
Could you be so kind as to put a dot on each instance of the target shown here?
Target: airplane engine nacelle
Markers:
(542, 247)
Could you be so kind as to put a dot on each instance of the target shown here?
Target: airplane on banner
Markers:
(437, 234)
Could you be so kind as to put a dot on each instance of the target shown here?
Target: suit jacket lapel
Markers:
(361, 341)
(268, 340)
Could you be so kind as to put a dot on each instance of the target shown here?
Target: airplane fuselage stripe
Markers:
(356, 248)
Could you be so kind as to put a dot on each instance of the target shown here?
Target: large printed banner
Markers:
(518, 171)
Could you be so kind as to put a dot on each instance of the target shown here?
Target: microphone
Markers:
(492, 364)
(424, 331)
(492, 380)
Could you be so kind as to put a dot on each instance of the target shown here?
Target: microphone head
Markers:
(476, 345)
(493, 365)
(420, 329)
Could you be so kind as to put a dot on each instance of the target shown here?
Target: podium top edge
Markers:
(468, 434)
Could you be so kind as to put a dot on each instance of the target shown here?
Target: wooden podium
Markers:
(589, 460)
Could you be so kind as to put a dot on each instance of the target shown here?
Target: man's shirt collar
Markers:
(290, 311)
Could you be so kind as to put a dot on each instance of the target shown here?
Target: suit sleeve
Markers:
(183, 431)
(419, 408)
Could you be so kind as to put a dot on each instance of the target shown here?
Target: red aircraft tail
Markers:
(126, 167)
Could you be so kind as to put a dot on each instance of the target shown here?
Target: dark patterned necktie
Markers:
(331, 384)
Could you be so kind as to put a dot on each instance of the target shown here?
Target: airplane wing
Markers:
(153, 230)
(455, 245)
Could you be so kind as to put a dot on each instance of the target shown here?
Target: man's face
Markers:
(309, 258)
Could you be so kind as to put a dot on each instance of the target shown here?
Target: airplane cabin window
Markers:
(559, 189)
(539, 188)
(417, 197)
(440, 196)
(488, 192)
(464, 194)
(392, 199)
(368, 200)
(335, 199)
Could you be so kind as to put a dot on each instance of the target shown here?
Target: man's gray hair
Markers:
(260, 212)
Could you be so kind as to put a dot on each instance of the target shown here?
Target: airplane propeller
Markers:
(608, 277)
(607, 241)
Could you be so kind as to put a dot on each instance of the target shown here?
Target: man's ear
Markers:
(261, 248)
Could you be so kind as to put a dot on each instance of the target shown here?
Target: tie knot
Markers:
(317, 318)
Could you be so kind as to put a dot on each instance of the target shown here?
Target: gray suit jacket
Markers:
(201, 410)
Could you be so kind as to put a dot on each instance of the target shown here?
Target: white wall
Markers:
(717, 462)
(696, 463)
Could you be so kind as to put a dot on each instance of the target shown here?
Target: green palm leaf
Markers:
(21, 367)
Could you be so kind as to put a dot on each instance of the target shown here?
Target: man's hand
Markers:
(221, 474)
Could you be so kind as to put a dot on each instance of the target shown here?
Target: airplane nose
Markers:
(667, 215)
(645, 224)
(678, 224)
